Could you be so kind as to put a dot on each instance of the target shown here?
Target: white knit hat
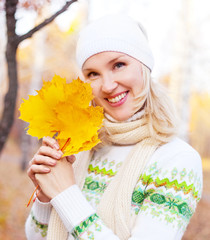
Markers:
(118, 33)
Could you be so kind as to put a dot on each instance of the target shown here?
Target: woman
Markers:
(142, 182)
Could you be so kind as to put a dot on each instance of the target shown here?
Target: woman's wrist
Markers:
(42, 197)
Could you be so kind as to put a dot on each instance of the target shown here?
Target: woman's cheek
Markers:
(96, 89)
(97, 102)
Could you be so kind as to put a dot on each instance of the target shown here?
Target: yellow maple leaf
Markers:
(63, 110)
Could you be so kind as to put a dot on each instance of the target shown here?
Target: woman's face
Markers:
(116, 79)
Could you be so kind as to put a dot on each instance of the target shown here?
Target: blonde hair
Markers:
(159, 108)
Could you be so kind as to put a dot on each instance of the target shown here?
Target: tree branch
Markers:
(45, 22)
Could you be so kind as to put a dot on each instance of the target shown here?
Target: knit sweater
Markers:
(163, 200)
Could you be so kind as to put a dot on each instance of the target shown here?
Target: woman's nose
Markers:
(108, 84)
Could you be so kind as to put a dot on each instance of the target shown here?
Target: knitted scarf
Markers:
(115, 204)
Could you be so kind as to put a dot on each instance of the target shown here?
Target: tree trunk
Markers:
(10, 98)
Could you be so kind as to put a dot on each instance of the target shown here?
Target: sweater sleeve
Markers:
(79, 217)
(37, 222)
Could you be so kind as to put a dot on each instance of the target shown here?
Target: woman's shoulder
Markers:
(177, 153)
(176, 147)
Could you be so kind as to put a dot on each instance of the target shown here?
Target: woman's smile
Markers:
(117, 99)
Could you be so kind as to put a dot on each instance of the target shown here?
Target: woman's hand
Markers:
(60, 177)
(45, 158)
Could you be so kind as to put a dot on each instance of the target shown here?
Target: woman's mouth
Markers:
(117, 99)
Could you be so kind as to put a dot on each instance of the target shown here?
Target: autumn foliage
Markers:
(62, 110)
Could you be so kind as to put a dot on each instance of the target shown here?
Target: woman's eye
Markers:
(119, 65)
(92, 75)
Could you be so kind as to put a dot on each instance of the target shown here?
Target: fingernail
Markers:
(58, 155)
(46, 169)
(56, 146)
(52, 162)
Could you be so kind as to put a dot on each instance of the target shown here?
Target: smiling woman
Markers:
(142, 182)
(117, 80)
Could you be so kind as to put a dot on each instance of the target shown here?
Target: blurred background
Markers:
(33, 50)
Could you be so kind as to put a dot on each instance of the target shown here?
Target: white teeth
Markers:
(118, 98)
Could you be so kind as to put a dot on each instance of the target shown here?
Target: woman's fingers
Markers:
(45, 158)
(42, 160)
(50, 152)
(34, 169)
(51, 142)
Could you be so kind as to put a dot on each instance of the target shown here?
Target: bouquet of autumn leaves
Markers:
(62, 110)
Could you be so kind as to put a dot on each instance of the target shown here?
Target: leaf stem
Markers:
(65, 145)
(32, 196)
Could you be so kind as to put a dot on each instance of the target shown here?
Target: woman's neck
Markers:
(136, 116)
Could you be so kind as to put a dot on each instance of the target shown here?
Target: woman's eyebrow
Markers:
(87, 69)
(110, 62)
(115, 59)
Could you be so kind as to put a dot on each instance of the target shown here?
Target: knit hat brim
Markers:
(117, 33)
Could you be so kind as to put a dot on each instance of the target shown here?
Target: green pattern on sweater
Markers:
(139, 196)
(39, 227)
(166, 194)
(83, 226)
(147, 180)
(102, 171)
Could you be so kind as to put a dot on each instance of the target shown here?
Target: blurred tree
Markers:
(13, 40)
(199, 122)
(180, 83)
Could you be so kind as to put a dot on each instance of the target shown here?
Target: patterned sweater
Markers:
(163, 201)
